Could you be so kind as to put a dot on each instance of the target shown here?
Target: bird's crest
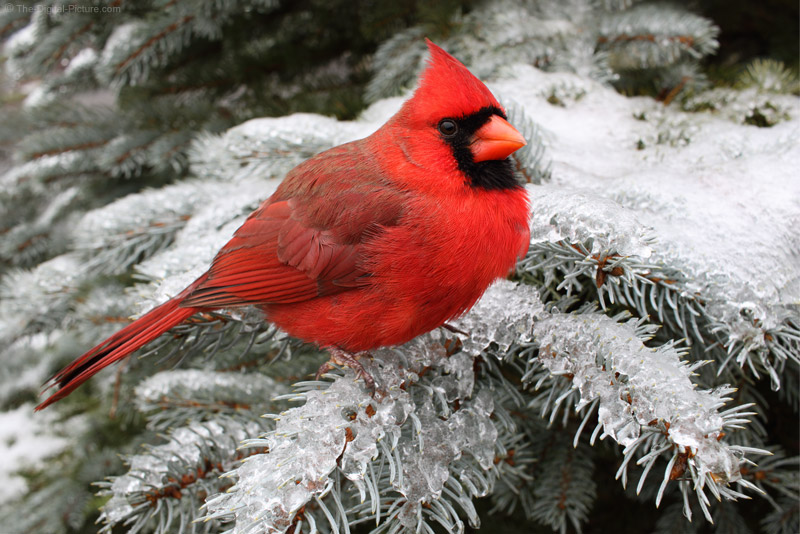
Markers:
(449, 88)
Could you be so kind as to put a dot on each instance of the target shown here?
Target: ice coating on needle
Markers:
(341, 421)
(440, 443)
(637, 387)
(344, 426)
(199, 386)
(578, 216)
(715, 201)
(504, 315)
(189, 448)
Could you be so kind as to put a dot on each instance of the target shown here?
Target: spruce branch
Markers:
(55, 141)
(35, 302)
(339, 425)
(67, 34)
(769, 75)
(752, 105)
(265, 147)
(422, 447)
(194, 394)
(165, 486)
(30, 242)
(591, 246)
(783, 520)
(564, 490)
(647, 400)
(649, 36)
(228, 342)
(76, 78)
(396, 63)
(49, 510)
(531, 160)
(138, 226)
(776, 475)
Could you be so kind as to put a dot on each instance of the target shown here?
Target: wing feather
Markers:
(304, 242)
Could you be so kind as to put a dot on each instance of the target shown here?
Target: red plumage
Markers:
(373, 242)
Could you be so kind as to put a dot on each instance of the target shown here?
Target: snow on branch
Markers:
(406, 438)
(184, 394)
(139, 225)
(644, 397)
(710, 200)
(167, 484)
(649, 36)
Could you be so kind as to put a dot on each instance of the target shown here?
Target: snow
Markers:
(86, 58)
(718, 201)
(192, 445)
(22, 40)
(27, 439)
(120, 39)
(206, 386)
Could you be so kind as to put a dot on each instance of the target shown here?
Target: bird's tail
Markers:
(118, 346)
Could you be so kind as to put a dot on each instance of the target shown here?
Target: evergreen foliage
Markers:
(650, 335)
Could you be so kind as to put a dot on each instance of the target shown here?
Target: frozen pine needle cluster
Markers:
(651, 334)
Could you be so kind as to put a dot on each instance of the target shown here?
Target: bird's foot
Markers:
(348, 359)
(453, 329)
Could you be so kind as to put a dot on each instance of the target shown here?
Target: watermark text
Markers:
(58, 9)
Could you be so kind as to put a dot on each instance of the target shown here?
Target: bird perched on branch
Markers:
(370, 243)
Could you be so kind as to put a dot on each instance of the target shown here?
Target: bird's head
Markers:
(454, 120)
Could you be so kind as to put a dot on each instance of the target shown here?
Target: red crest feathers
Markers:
(448, 89)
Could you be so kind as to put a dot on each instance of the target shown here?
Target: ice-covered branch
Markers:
(631, 183)
(342, 430)
(424, 443)
(181, 395)
(140, 225)
(644, 397)
(649, 36)
(166, 485)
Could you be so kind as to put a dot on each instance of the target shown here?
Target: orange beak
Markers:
(496, 139)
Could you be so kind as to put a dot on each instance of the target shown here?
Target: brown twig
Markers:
(150, 42)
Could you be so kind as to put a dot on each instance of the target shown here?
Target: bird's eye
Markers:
(448, 127)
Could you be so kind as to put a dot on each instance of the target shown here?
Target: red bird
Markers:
(370, 243)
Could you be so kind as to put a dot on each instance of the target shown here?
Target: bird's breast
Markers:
(446, 251)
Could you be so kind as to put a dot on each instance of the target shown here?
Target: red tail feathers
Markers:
(129, 339)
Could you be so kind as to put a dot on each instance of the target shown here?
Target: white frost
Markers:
(637, 386)
(27, 439)
(722, 199)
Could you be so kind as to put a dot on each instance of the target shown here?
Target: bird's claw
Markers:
(453, 329)
(348, 359)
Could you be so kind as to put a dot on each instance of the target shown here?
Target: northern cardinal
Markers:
(370, 243)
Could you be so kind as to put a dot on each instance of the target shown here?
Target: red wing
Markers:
(308, 240)
(275, 258)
